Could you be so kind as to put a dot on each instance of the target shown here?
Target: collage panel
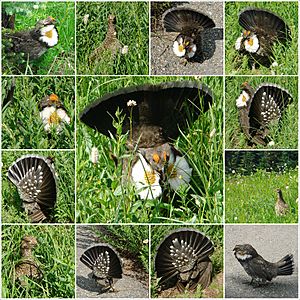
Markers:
(260, 112)
(38, 186)
(187, 262)
(186, 38)
(38, 261)
(38, 38)
(261, 261)
(112, 261)
(38, 112)
(112, 38)
(149, 150)
(261, 186)
(261, 37)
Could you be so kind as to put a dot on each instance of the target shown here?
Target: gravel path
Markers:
(130, 286)
(272, 242)
(164, 61)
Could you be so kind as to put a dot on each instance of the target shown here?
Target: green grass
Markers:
(102, 198)
(235, 138)
(251, 199)
(213, 232)
(285, 55)
(132, 25)
(22, 127)
(58, 60)
(130, 241)
(55, 255)
(12, 211)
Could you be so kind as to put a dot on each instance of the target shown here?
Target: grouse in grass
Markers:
(262, 29)
(281, 207)
(27, 266)
(258, 268)
(153, 116)
(105, 264)
(182, 259)
(35, 42)
(108, 49)
(35, 179)
(259, 108)
(189, 24)
(53, 113)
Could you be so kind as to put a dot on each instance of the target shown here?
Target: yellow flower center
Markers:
(150, 177)
(171, 171)
(54, 118)
(180, 48)
(49, 34)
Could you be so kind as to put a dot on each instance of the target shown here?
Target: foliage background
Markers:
(251, 181)
(56, 257)
(58, 60)
(64, 210)
(284, 134)
(101, 198)
(132, 26)
(22, 127)
(285, 55)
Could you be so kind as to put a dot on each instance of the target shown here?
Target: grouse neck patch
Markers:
(252, 44)
(179, 49)
(54, 117)
(146, 179)
(242, 100)
(49, 35)
(242, 256)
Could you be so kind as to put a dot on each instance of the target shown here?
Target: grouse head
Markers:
(244, 252)
(189, 24)
(262, 29)
(28, 242)
(35, 179)
(259, 108)
(53, 113)
(105, 264)
(182, 259)
(154, 116)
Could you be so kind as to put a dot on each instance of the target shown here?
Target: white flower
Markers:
(85, 19)
(242, 100)
(179, 49)
(274, 64)
(212, 133)
(49, 35)
(146, 179)
(271, 143)
(238, 43)
(124, 50)
(178, 171)
(35, 6)
(191, 50)
(252, 44)
(54, 117)
(94, 155)
(131, 103)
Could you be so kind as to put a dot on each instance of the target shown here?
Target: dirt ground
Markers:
(134, 283)
(165, 62)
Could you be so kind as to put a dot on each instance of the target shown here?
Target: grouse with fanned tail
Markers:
(33, 43)
(262, 29)
(259, 269)
(35, 179)
(154, 116)
(182, 259)
(105, 264)
(189, 24)
(259, 108)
